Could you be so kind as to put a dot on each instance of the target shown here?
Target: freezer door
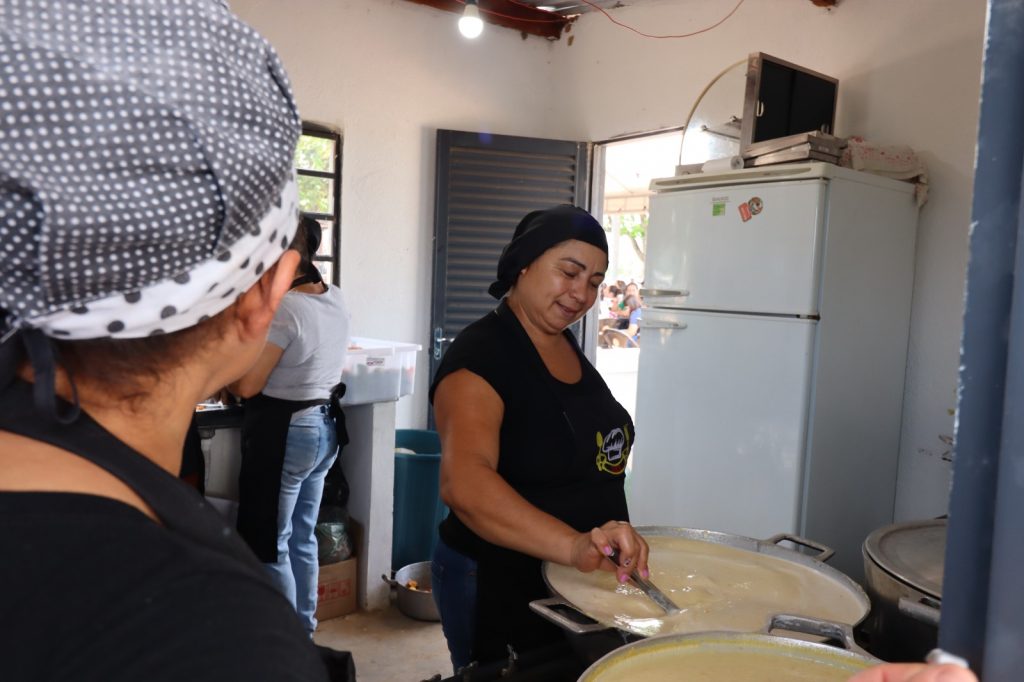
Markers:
(746, 248)
(722, 410)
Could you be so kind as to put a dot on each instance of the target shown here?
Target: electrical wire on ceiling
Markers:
(615, 21)
(662, 37)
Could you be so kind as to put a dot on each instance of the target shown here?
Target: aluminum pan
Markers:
(765, 547)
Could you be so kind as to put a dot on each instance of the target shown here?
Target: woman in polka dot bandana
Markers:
(146, 205)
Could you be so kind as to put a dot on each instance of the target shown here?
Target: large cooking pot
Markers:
(720, 581)
(737, 657)
(903, 567)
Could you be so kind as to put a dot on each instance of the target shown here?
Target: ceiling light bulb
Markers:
(470, 23)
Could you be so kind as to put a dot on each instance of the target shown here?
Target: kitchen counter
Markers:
(210, 419)
(369, 465)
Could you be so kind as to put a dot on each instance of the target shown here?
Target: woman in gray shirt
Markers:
(289, 439)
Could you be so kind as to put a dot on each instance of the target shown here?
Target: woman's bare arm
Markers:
(469, 415)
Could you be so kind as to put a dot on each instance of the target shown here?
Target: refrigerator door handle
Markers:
(656, 293)
(662, 324)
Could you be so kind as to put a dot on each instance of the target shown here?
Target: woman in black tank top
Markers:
(534, 445)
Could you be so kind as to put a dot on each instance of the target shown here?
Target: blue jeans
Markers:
(453, 583)
(311, 449)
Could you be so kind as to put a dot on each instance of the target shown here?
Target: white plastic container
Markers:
(378, 371)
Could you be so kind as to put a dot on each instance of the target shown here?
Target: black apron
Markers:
(264, 437)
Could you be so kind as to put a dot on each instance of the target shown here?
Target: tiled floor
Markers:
(387, 646)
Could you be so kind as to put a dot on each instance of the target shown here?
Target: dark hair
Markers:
(127, 368)
(615, 290)
(306, 242)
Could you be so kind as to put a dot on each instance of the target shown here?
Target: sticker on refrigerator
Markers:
(718, 205)
(751, 208)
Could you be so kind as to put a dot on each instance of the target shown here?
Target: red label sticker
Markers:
(744, 212)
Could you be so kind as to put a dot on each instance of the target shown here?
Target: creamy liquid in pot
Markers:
(720, 666)
(717, 587)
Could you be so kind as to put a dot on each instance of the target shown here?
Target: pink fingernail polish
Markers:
(646, 573)
(623, 578)
(607, 550)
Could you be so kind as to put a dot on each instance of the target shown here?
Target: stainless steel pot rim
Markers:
(766, 547)
(419, 603)
(731, 642)
(923, 570)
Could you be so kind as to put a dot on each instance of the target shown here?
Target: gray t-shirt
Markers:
(313, 330)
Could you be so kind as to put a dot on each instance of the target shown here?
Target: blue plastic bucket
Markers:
(418, 507)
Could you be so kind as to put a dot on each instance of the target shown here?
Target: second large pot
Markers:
(737, 657)
(721, 582)
(903, 565)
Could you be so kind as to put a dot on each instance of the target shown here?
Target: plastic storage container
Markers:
(378, 371)
(418, 507)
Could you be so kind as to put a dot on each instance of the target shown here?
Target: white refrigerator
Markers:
(772, 354)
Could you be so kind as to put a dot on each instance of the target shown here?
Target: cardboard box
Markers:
(336, 590)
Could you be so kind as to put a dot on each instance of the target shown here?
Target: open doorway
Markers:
(623, 171)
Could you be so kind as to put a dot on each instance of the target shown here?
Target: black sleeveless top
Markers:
(181, 600)
(563, 447)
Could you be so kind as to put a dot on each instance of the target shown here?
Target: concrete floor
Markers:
(388, 646)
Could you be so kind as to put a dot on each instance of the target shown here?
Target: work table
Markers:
(368, 462)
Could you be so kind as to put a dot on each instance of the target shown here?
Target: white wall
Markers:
(909, 73)
(388, 73)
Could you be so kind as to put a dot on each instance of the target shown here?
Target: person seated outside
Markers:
(630, 317)
(623, 332)
(620, 309)
(609, 302)
(632, 289)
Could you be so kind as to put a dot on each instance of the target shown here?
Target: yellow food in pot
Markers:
(717, 587)
(722, 662)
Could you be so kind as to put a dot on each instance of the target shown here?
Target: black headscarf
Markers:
(538, 232)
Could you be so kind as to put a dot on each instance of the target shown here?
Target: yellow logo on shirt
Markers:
(613, 451)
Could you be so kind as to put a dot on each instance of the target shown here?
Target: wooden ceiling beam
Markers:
(509, 14)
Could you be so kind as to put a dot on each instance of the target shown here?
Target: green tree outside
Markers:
(631, 225)
(316, 195)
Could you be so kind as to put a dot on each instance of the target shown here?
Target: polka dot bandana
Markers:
(145, 164)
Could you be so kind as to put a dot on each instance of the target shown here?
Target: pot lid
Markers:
(913, 553)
